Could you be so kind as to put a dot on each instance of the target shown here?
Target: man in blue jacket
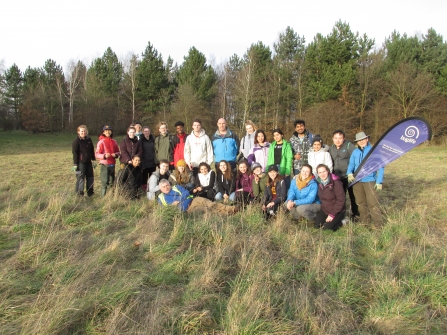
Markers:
(225, 144)
(365, 190)
(180, 197)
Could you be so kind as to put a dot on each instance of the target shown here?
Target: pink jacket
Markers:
(104, 146)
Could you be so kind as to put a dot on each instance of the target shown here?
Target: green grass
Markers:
(108, 266)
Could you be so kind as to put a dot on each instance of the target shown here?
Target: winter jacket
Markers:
(206, 189)
(153, 190)
(163, 148)
(130, 147)
(148, 159)
(281, 193)
(247, 143)
(301, 147)
(130, 180)
(332, 196)
(198, 149)
(259, 188)
(322, 156)
(245, 182)
(259, 154)
(340, 157)
(178, 147)
(83, 150)
(107, 145)
(306, 196)
(177, 193)
(225, 186)
(225, 147)
(286, 157)
(355, 161)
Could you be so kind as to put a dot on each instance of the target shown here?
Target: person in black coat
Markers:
(148, 161)
(205, 182)
(226, 182)
(130, 147)
(83, 155)
(129, 179)
(275, 191)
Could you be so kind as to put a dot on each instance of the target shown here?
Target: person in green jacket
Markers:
(259, 181)
(280, 154)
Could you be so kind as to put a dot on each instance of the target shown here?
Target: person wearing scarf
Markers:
(302, 199)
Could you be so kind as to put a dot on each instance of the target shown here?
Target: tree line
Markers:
(335, 81)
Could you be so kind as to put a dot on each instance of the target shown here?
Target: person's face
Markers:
(196, 126)
(82, 132)
(179, 130)
(203, 170)
(273, 174)
(136, 161)
(258, 170)
(222, 125)
(165, 188)
(260, 137)
(300, 128)
(146, 132)
(181, 169)
(242, 168)
(163, 129)
(305, 172)
(249, 129)
(164, 168)
(108, 133)
(362, 143)
(223, 167)
(338, 140)
(138, 128)
(277, 136)
(316, 146)
(131, 133)
(322, 173)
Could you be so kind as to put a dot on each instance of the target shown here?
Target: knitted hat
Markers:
(181, 162)
(317, 138)
(255, 165)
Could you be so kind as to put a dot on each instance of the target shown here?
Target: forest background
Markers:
(341, 80)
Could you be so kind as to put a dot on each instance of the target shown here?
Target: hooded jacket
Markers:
(332, 196)
(178, 147)
(247, 143)
(107, 145)
(355, 161)
(322, 156)
(286, 157)
(306, 196)
(225, 147)
(83, 150)
(259, 155)
(198, 149)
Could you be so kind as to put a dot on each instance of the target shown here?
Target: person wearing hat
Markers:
(275, 192)
(259, 180)
(107, 152)
(280, 154)
(365, 190)
(182, 176)
(319, 154)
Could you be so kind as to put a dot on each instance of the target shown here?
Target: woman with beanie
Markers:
(182, 176)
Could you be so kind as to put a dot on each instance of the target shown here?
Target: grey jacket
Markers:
(340, 157)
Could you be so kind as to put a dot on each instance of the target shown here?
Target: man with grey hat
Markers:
(365, 190)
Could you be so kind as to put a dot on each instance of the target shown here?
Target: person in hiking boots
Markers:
(107, 152)
(83, 161)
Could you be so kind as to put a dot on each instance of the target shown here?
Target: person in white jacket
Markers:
(319, 154)
(198, 148)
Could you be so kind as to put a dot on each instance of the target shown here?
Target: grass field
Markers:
(108, 266)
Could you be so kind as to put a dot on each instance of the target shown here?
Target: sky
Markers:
(32, 31)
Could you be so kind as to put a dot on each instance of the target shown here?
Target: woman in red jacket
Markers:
(332, 197)
(107, 152)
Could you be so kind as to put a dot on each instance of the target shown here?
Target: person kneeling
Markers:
(275, 192)
(130, 179)
(180, 197)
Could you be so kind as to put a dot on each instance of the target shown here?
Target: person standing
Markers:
(248, 141)
(148, 163)
(341, 152)
(198, 148)
(83, 157)
(280, 154)
(365, 190)
(138, 130)
(319, 154)
(107, 152)
(225, 144)
(130, 147)
(258, 153)
(301, 142)
(178, 142)
(163, 145)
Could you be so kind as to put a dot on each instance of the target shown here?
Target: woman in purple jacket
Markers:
(258, 153)
(244, 183)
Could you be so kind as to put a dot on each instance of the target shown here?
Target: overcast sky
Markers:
(31, 31)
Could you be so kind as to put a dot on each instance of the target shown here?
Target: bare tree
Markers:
(75, 76)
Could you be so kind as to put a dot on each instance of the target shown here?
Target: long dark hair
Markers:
(246, 164)
(228, 174)
(272, 182)
(256, 136)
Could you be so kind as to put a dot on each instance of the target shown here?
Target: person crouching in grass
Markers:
(130, 179)
(275, 191)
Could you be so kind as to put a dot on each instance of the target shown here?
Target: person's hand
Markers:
(74, 168)
(351, 178)
(378, 187)
(107, 155)
(113, 155)
(190, 166)
(290, 205)
(199, 188)
(175, 203)
(329, 218)
(225, 196)
(194, 190)
(256, 178)
(263, 207)
(271, 204)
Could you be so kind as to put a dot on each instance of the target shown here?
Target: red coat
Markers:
(106, 145)
(178, 146)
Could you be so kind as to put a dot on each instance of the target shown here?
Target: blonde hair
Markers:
(250, 123)
(82, 126)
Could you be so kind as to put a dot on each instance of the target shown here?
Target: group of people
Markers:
(305, 176)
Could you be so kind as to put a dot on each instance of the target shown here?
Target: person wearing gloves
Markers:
(319, 154)
(198, 148)
(302, 200)
(333, 199)
(107, 152)
(83, 157)
(365, 190)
